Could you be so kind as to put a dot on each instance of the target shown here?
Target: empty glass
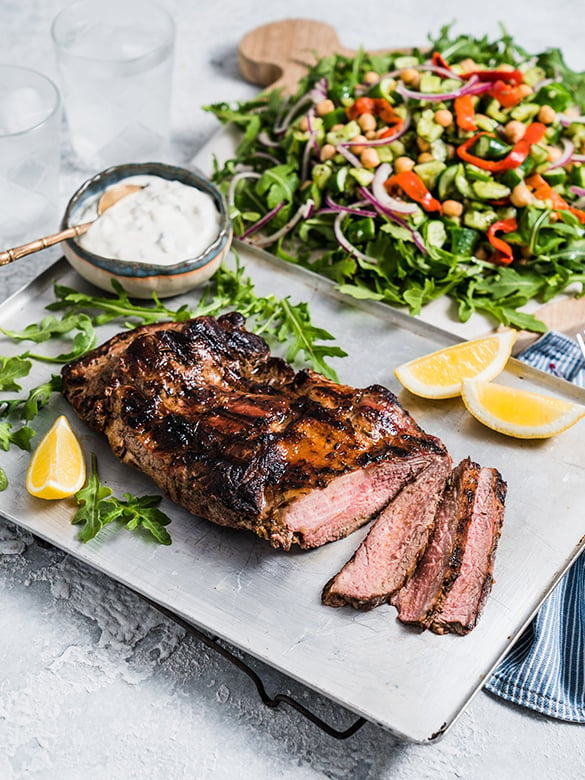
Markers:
(29, 154)
(115, 61)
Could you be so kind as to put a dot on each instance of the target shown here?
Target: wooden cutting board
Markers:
(278, 54)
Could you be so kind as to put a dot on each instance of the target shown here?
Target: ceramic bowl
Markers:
(140, 279)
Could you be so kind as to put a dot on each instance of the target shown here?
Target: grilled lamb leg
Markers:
(234, 435)
(440, 565)
(462, 605)
(391, 550)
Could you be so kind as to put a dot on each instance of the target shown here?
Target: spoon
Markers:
(108, 199)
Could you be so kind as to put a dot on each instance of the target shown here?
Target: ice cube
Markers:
(21, 109)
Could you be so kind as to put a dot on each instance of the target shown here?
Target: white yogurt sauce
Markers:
(163, 223)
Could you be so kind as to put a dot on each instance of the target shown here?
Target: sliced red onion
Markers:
(443, 72)
(580, 191)
(296, 107)
(346, 245)
(351, 158)
(262, 221)
(312, 136)
(270, 157)
(303, 212)
(319, 90)
(355, 208)
(566, 121)
(472, 87)
(566, 155)
(416, 236)
(248, 174)
(579, 158)
(265, 140)
(380, 195)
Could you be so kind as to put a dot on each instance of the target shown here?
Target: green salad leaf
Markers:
(456, 171)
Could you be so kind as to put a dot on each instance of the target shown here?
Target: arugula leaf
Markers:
(278, 184)
(12, 368)
(115, 306)
(28, 408)
(3, 480)
(21, 437)
(50, 327)
(98, 508)
(277, 319)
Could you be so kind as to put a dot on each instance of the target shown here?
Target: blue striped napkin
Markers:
(545, 670)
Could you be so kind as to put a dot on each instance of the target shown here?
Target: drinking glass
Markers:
(115, 61)
(29, 154)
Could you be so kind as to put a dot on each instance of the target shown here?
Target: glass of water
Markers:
(115, 61)
(29, 155)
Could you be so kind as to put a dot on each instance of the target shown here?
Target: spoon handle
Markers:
(10, 255)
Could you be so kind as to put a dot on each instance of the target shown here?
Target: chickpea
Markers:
(452, 208)
(327, 152)
(356, 144)
(371, 135)
(547, 115)
(515, 131)
(521, 195)
(468, 65)
(304, 124)
(411, 77)
(423, 145)
(425, 157)
(451, 152)
(336, 128)
(524, 90)
(371, 77)
(324, 107)
(402, 164)
(367, 122)
(553, 153)
(369, 158)
(444, 117)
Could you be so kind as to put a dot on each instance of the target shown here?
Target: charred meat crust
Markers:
(234, 435)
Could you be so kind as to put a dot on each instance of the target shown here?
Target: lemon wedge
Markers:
(57, 466)
(439, 374)
(519, 413)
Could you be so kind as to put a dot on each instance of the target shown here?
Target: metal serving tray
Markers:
(267, 602)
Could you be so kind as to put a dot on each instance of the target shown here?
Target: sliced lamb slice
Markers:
(391, 550)
(462, 606)
(440, 565)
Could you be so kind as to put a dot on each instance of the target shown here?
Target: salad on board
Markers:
(455, 170)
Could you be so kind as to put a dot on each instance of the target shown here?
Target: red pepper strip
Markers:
(377, 106)
(506, 94)
(465, 113)
(503, 249)
(543, 191)
(534, 133)
(439, 61)
(513, 76)
(413, 186)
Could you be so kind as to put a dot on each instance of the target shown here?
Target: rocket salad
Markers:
(453, 171)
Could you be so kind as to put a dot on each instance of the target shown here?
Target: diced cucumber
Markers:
(490, 190)
(578, 175)
(479, 220)
(524, 112)
(555, 177)
(337, 182)
(486, 123)
(495, 112)
(461, 183)
(321, 174)
(405, 62)
(446, 182)
(429, 83)
(429, 172)
(427, 128)
(538, 153)
(383, 89)
(489, 148)
(361, 230)
(335, 117)
(345, 133)
(463, 240)
(362, 175)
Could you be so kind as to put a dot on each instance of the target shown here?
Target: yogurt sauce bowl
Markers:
(167, 238)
